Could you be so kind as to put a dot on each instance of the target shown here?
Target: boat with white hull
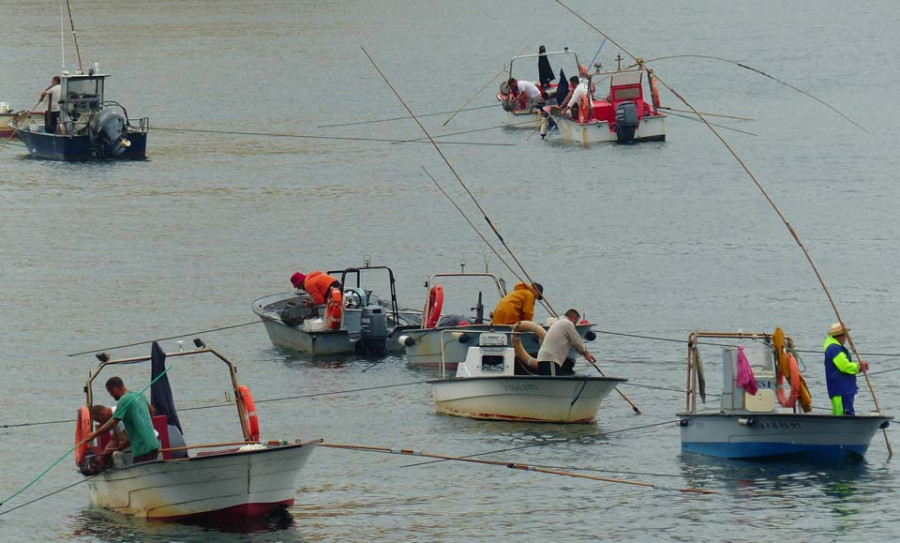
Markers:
(233, 481)
(516, 114)
(486, 386)
(766, 425)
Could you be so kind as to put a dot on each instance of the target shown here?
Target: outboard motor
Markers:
(373, 331)
(107, 133)
(626, 122)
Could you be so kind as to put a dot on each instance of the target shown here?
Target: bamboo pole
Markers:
(510, 465)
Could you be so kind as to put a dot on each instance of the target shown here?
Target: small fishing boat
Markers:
(358, 323)
(517, 115)
(235, 481)
(765, 424)
(444, 338)
(487, 385)
(89, 127)
(621, 116)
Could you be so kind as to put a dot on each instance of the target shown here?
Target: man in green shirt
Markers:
(134, 412)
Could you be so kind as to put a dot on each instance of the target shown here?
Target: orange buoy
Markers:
(82, 430)
(435, 304)
(333, 309)
(250, 416)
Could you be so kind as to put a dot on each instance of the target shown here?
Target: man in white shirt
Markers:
(525, 94)
(53, 93)
(579, 91)
(562, 336)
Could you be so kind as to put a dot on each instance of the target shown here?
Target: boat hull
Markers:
(522, 119)
(779, 435)
(426, 347)
(77, 148)
(651, 128)
(239, 485)
(573, 399)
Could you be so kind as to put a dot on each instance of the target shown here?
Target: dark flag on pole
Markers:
(562, 88)
(545, 72)
(160, 391)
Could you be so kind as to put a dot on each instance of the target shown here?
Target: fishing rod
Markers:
(510, 465)
(74, 37)
(545, 302)
(768, 198)
(501, 72)
(310, 136)
(760, 72)
(402, 118)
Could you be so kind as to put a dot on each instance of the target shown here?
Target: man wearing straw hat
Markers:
(840, 370)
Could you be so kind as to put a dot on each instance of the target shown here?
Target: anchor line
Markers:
(760, 72)
(510, 465)
(437, 148)
(310, 136)
(402, 118)
(765, 194)
(47, 495)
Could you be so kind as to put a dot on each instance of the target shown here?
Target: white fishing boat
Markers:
(622, 115)
(359, 322)
(775, 422)
(488, 386)
(443, 338)
(233, 481)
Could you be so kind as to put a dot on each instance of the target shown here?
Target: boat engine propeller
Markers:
(108, 131)
(626, 122)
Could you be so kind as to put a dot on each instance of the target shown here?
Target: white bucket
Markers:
(4, 107)
(314, 325)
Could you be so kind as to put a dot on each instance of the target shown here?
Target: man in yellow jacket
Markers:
(518, 305)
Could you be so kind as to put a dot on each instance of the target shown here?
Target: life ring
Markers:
(784, 369)
(333, 309)
(522, 355)
(654, 91)
(794, 376)
(250, 416)
(82, 430)
(435, 304)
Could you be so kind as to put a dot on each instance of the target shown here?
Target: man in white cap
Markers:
(840, 370)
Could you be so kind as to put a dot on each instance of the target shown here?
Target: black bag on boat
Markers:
(292, 314)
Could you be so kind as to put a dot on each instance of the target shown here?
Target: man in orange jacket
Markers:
(317, 284)
(518, 305)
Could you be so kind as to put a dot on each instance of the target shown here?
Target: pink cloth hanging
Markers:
(745, 377)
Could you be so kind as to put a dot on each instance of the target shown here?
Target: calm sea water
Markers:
(652, 240)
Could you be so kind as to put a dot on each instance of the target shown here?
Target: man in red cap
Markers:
(317, 284)
(297, 280)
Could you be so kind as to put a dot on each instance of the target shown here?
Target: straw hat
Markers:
(837, 330)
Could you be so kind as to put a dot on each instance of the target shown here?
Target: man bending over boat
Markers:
(524, 94)
(518, 305)
(561, 337)
(317, 284)
(840, 371)
(133, 411)
(118, 439)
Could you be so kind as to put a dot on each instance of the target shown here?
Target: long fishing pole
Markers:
(510, 465)
(760, 72)
(501, 72)
(310, 136)
(624, 396)
(402, 118)
(768, 198)
(722, 115)
(67, 453)
(714, 124)
(47, 495)
(458, 178)
(74, 37)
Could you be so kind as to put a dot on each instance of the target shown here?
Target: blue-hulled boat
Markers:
(767, 424)
(89, 126)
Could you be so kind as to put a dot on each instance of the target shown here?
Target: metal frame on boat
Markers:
(234, 481)
(754, 426)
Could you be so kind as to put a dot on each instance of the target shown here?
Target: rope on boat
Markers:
(167, 338)
(723, 127)
(510, 465)
(544, 301)
(310, 136)
(768, 198)
(57, 491)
